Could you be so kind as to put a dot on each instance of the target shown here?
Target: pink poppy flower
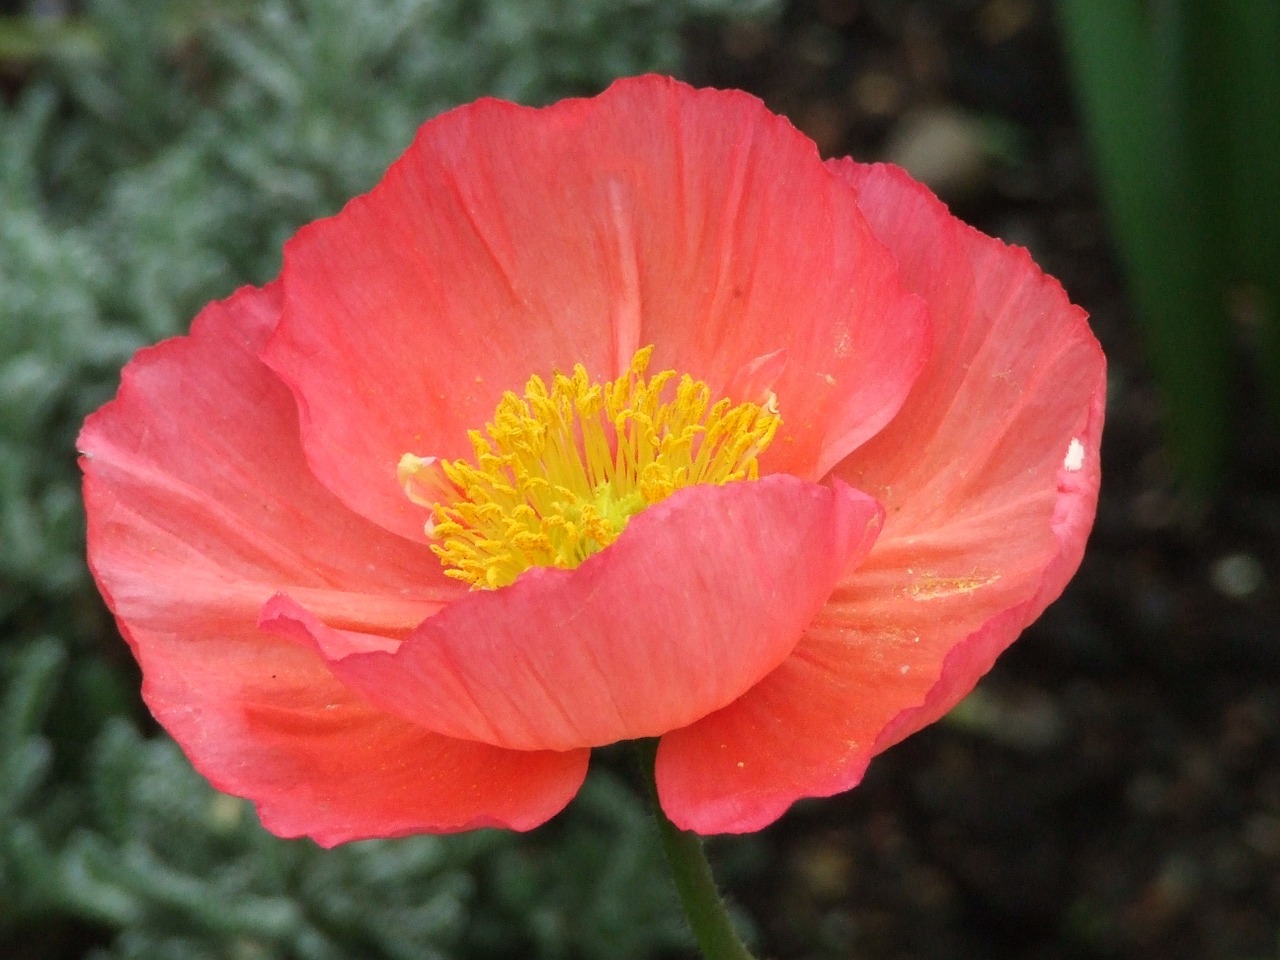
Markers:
(779, 456)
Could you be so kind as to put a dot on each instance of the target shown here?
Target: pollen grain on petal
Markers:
(929, 586)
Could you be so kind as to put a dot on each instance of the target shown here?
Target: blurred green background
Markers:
(153, 157)
(1112, 791)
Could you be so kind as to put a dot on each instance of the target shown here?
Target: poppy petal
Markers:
(264, 719)
(989, 475)
(701, 596)
(200, 508)
(511, 241)
(199, 488)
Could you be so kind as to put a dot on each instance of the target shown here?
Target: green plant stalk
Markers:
(1230, 80)
(691, 871)
(1243, 37)
(1129, 61)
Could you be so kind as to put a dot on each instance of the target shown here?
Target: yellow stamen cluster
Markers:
(559, 472)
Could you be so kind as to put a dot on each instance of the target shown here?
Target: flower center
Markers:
(559, 472)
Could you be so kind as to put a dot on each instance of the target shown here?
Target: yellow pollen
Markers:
(559, 472)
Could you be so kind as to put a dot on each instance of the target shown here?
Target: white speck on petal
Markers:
(1075, 455)
(844, 343)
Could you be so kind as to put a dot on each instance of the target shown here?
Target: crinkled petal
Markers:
(265, 719)
(990, 477)
(200, 508)
(198, 489)
(701, 596)
(510, 241)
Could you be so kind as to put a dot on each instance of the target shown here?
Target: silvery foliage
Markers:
(154, 157)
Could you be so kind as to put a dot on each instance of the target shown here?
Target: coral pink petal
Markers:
(200, 508)
(701, 596)
(989, 475)
(199, 492)
(510, 241)
(265, 719)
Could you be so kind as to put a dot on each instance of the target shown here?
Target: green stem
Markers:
(1142, 100)
(692, 874)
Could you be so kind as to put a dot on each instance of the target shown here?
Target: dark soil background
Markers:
(1113, 788)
